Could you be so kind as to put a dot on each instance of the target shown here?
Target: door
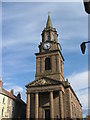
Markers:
(47, 114)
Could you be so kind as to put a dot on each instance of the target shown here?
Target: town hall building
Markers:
(50, 95)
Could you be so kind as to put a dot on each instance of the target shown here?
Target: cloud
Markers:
(20, 89)
(85, 113)
(79, 80)
(83, 96)
(29, 29)
(17, 89)
(5, 84)
(14, 87)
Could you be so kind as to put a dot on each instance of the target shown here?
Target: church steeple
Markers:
(49, 60)
(49, 33)
(49, 23)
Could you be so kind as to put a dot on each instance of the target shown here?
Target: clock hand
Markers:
(47, 46)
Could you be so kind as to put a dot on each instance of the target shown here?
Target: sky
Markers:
(22, 25)
(43, 0)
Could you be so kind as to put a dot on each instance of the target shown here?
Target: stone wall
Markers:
(72, 105)
(56, 71)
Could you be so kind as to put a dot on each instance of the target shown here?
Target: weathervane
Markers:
(49, 12)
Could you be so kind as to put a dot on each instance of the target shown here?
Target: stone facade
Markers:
(49, 95)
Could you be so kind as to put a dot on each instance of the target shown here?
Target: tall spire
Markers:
(49, 23)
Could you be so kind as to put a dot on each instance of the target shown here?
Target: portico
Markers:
(44, 99)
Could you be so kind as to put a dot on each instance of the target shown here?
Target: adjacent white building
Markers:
(11, 106)
(6, 102)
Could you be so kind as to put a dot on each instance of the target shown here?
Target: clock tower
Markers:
(49, 60)
(50, 96)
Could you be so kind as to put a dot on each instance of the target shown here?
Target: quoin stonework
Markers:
(50, 95)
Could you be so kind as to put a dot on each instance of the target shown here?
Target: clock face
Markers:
(46, 46)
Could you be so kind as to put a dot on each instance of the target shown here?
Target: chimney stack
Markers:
(19, 96)
(12, 92)
(1, 83)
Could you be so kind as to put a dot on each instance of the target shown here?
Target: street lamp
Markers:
(83, 46)
(87, 6)
(87, 9)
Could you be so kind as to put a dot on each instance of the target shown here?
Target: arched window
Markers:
(4, 100)
(47, 64)
(2, 111)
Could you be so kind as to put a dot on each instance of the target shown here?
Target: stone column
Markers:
(61, 104)
(51, 105)
(28, 106)
(36, 105)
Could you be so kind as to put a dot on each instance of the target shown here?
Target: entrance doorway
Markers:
(47, 114)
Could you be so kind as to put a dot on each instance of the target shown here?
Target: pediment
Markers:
(43, 81)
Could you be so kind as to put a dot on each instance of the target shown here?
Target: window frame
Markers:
(47, 63)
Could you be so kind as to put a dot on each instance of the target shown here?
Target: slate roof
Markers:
(8, 94)
(12, 96)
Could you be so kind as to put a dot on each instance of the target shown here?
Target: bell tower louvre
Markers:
(50, 96)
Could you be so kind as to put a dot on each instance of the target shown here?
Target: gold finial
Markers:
(49, 13)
